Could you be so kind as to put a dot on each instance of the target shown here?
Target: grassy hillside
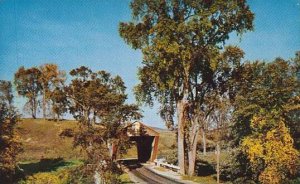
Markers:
(41, 139)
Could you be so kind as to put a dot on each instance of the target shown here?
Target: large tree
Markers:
(181, 41)
(51, 78)
(97, 100)
(28, 85)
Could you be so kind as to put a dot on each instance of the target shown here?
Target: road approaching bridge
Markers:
(144, 175)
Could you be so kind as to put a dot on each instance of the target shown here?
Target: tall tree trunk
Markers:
(32, 112)
(44, 103)
(204, 141)
(33, 108)
(218, 162)
(193, 148)
(181, 145)
(52, 114)
(86, 114)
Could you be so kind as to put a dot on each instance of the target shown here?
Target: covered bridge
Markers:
(146, 139)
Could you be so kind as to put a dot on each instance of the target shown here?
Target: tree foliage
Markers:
(97, 100)
(268, 86)
(51, 79)
(270, 148)
(28, 85)
(266, 108)
(59, 102)
(9, 143)
(181, 42)
(6, 95)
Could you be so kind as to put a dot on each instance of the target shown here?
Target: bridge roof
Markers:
(138, 128)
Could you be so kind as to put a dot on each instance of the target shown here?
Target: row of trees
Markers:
(47, 82)
(262, 101)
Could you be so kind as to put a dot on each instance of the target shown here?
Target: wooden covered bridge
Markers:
(146, 139)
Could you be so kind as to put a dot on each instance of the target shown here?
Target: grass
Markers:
(201, 179)
(167, 140)
(44, 151)
(210, 157)
(45, 168)
(40, 140)
(125, 179)
(161, 169)
(47, 165)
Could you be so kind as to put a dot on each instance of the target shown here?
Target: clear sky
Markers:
(72, 33)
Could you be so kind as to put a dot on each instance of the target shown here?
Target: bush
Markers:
(171, 157)
(58, 177)
(109, 177)
(42, 178)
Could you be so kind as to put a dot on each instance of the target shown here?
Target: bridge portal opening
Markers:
(146, 141)
(145, 148)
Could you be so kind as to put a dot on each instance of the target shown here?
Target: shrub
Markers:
(270, 150)
(42, 178)
(58, 177)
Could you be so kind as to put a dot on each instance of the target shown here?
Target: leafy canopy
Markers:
(267, 86)
(180, 41)
(28, 85)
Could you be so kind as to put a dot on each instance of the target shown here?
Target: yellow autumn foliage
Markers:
(253, 147)
(272, 149)
(59, 177)
(43, 178)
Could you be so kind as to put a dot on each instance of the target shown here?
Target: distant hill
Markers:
(159, 129)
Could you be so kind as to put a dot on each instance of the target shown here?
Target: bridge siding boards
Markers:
(154, 149)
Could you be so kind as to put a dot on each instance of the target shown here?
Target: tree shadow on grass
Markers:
(203, 168)
(44, 165)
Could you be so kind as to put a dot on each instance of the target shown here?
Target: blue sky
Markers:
(85, 32)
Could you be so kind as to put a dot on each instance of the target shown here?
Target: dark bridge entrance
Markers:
(146, 141)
